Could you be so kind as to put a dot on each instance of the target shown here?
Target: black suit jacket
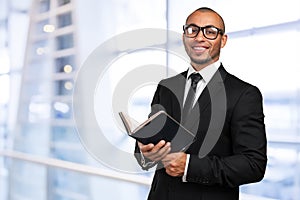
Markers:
(230, 149)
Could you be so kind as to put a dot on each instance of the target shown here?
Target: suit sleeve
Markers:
(146, 163)
(248, 161)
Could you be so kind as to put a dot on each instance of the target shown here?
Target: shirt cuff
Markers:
(146, 164)
(186, 168)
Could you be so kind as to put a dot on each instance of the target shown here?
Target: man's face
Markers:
(203, 51)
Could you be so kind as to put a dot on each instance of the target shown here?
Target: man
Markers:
(229, 151)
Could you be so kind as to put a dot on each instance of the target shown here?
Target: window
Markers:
(64, 20)
(40, 26)
(64, 61)
(63, 87)
(44, 6)
(64, 42)
(63, 2)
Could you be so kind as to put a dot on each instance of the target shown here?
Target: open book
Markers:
(160, 126)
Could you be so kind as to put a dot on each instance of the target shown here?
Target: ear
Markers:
(223, 40)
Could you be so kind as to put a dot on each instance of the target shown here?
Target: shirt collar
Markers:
(207, 72)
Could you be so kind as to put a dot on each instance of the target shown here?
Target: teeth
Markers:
(199, 48)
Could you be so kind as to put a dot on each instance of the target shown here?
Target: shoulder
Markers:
(236, 82)
(174, 81)
(236, 87)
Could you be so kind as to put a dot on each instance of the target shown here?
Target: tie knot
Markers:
(195, 77)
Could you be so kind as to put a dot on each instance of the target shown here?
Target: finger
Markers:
(140, 144)
(162, 153)
(170, 157)
(170, 171)
(166, 164)
(146, 148)
(159, 145)
(158, 155)
(153, 152)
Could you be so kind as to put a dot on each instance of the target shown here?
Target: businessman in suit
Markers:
(226, 117)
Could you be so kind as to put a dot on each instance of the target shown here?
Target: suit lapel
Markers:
(178, 91)
(175, 87)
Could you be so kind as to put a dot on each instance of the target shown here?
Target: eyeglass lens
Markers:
(209, 32)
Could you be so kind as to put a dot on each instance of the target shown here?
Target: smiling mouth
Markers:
(199, 49)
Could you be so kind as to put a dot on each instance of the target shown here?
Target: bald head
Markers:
(206, 9)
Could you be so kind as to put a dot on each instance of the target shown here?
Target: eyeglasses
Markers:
(209, 32)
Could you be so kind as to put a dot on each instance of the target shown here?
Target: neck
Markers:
(200, 66)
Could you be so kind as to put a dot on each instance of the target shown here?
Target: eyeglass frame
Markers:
(219, 31)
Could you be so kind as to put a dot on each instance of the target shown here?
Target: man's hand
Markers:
(175, 163)
(155, 152)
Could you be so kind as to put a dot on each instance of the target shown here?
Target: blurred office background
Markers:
(43, 44)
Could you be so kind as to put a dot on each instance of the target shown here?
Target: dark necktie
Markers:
(188, 105)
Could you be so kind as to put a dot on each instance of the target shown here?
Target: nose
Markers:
(200, 36)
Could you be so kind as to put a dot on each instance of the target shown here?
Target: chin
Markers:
(202, 61)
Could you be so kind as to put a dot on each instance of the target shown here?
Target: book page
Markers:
(147, 121)
(129, 123)
(133, 123)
